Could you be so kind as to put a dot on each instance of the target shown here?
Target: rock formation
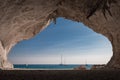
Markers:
(22, 19)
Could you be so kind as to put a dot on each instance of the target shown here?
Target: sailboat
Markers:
(86, 63)
(61, 63)
(26, 65)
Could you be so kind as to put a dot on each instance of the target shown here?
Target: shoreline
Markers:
(33, 69)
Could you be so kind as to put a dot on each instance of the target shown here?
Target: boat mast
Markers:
(61, 59)
(85, 62)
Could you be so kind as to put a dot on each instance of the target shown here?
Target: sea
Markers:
(50, 66)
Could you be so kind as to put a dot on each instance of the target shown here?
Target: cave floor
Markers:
(60, 75)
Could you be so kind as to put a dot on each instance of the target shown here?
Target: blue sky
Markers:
(75, 41)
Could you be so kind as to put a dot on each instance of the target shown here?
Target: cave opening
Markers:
(77, 44)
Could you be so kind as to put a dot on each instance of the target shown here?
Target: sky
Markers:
(77, 44)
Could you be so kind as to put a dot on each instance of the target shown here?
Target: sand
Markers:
(60, 75)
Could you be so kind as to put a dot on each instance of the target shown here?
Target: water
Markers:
(49, 66)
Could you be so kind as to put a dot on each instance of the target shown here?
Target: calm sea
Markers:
(49, 66)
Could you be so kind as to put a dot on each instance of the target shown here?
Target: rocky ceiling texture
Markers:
(23, 19)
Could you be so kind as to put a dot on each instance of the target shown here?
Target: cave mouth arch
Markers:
(74, 32)
(23, 19)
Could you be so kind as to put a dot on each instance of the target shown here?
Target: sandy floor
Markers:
(59, 75)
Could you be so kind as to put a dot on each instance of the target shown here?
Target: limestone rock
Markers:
(23, 19)
(82, 67)
(97, 67)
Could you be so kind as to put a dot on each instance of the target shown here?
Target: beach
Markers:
(60, 74)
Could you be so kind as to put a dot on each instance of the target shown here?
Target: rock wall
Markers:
(22, 19)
